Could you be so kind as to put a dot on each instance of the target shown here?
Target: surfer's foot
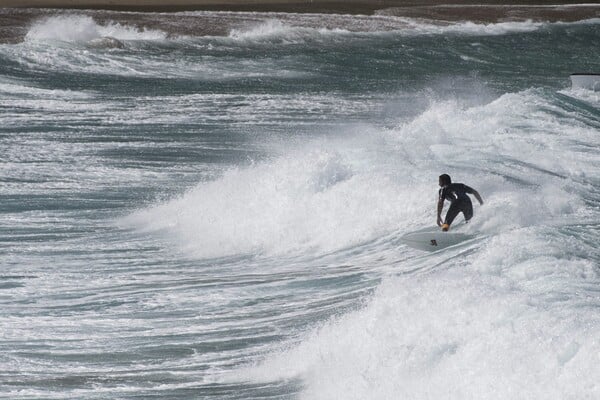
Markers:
(445, 227)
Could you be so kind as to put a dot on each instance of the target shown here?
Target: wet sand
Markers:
(422, 8)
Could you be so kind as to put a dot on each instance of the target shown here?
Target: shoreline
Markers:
(15, 21)
(367, 7)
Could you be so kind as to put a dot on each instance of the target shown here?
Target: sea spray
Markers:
(80, 28)
(301, 202)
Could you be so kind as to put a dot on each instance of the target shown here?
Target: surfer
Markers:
(456, 193)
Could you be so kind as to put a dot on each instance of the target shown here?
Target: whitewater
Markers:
(210, 205)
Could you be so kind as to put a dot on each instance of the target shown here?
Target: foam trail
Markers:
(469, 28)
(281, 32)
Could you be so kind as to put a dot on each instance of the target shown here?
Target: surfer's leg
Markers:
(452, 213)
(467, 209)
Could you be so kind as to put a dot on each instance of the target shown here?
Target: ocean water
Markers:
(209, 205)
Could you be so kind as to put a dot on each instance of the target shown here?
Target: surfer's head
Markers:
(445, 180)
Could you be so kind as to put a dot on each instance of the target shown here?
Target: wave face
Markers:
(210, 205)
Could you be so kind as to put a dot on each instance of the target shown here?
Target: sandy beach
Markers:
(333, 6)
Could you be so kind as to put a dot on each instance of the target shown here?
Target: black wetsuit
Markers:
(456, 193)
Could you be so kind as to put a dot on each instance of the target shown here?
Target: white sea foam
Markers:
(10, 89)
(514, 314)
(78, 44)
(506, 322)
(590, 96)
(423, 27)
(275, 30)
(79, 28)
(301, 202)
(292, 203)
(278, 31)
(418, 27)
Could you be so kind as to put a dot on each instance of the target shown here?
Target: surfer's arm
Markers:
(477, 196)
(440, 207)
(475, 193)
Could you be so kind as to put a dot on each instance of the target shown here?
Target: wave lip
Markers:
(303, 30)
(287, 206)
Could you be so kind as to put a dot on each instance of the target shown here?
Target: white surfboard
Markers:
(434, 239)
(585, 81)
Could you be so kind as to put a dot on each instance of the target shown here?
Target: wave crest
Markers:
(80, 28)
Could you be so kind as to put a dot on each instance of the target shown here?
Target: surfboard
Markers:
(432, 239)
(585, 81)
